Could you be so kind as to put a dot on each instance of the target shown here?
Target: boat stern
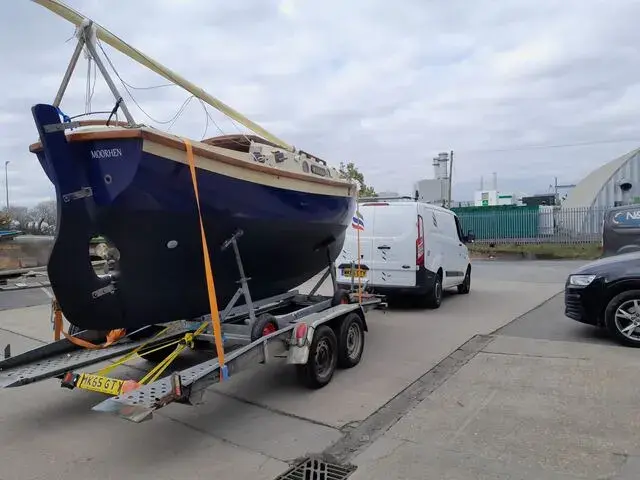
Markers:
(90, 169)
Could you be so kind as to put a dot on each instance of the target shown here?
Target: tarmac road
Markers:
(257, 424)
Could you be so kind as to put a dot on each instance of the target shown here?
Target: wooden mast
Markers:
(103, 34)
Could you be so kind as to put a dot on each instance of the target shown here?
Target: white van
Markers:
(406, 247)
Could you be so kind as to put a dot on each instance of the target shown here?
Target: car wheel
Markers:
(622, 318)
(435, 296)
(465, 286)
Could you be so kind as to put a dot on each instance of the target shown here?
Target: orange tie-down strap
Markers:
(213, 302)
(112, 337)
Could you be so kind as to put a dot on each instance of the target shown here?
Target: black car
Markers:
(606, 293)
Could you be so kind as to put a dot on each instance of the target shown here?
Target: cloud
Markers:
(386, 86)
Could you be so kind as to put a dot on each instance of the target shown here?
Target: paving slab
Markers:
(255, 424)
(401, 345)
(258, 429)
(518, 410)
(548, 322)
(51, 433)
(31, 322)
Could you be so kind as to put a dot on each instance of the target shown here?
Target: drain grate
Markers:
(316, 469)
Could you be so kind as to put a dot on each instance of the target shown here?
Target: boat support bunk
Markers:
(317, 333)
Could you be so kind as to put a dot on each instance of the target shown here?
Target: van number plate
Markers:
(357, 272)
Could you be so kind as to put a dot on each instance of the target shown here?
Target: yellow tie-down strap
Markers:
(213, 302)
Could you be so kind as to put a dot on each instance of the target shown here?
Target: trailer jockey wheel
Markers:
(340, 297)
(264, 325)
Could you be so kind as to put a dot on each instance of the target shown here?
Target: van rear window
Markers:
(392, 220)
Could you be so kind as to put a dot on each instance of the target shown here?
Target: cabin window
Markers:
(318, 170)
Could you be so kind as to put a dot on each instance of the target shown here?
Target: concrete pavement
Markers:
(261, 421)
(520, 409)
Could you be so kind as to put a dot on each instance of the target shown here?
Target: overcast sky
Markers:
(386, 85)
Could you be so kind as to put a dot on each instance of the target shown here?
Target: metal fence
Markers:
(532, 224)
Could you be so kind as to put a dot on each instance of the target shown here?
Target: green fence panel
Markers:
(498, 222)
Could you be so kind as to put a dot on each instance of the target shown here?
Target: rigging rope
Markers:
(171, 121)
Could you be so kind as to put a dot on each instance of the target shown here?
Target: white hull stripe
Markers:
(246, 174)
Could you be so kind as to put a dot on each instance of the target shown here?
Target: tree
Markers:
(20, 215)
(38, 220)
(5, 220)
(351, 171)
(44, 212)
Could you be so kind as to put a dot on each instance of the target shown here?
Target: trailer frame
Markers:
(317, 333)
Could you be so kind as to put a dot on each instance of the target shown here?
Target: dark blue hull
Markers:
(146, 206)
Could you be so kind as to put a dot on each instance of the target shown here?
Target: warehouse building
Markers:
(614, 183)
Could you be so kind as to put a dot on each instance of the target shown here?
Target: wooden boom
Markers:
(106, 36)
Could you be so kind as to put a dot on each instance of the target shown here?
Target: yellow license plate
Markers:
(358, 272)
(98, 383)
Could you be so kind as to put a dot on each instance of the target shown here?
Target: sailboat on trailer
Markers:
(133, 184)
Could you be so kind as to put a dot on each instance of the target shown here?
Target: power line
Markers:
(550, 146)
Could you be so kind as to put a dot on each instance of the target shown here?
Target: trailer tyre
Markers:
(265, 324)
(350, 340)
(323, 359)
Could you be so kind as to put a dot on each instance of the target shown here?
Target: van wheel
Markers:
(465, 286)
(435, 296)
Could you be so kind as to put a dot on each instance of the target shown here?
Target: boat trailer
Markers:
(316, 333)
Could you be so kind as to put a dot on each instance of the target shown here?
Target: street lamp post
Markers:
(6, 181)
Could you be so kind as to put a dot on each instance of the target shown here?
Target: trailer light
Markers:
(301, 333)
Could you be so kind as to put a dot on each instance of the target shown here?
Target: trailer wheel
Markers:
(340, 297)
(265, 324)
(350, 341)
(323, 358)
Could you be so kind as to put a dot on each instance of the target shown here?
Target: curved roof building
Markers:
(583, 210)
(601, 188)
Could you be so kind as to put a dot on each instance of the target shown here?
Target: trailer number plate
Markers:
(98, 383)
(358, 272)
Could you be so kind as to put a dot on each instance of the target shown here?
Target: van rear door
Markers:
(395, 233)
(387, 246)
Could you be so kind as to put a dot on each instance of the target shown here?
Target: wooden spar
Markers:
(106, 36)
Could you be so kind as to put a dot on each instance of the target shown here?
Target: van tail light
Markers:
(420, 242)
